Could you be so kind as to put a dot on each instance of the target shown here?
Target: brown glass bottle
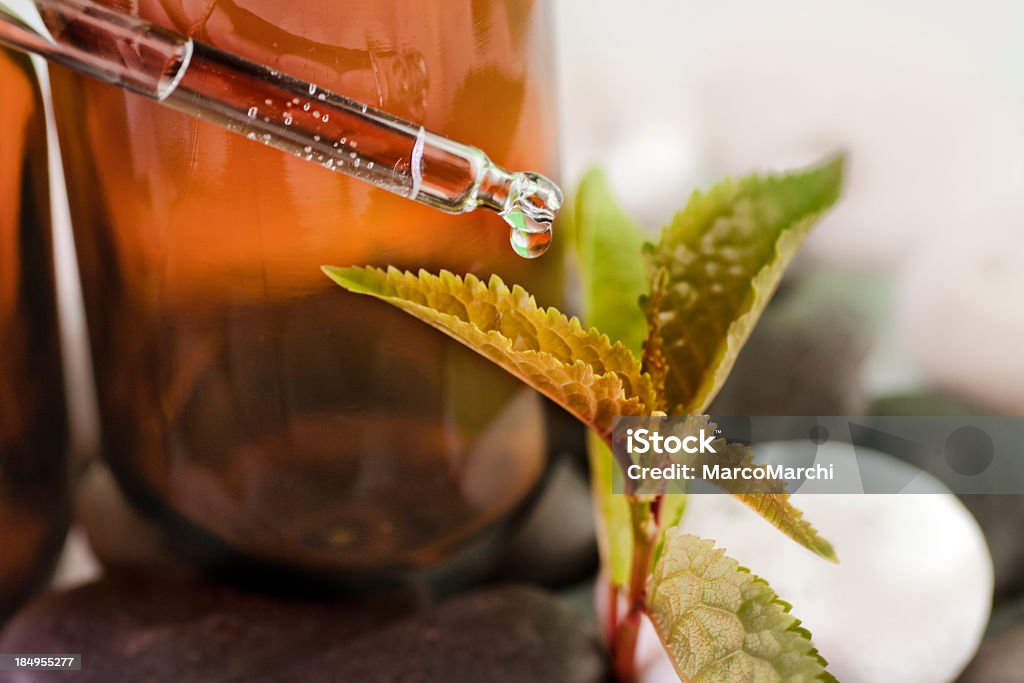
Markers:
(33, 433)
(249, 406)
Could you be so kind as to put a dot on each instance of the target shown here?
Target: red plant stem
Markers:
(612, 620)
(645, 522)
(624, 652)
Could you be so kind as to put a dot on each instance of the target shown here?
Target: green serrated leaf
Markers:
(787, 518)
(578, 369)
(610, 246)
(719, 622)
(766, 498)
(717, 265)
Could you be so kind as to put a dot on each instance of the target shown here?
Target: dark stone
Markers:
(135, 629)
(804, 357)
(499, 635)
(999, 518)
(556, 544)
(930, 403)
(1000, 659)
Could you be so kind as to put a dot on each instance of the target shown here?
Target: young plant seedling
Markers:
(669, 320)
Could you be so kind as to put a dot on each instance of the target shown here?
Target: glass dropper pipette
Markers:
(283, 112)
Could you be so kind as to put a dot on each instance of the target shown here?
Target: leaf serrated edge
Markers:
(790, 237)
(802, 531)
(625, 381)
(796, 627)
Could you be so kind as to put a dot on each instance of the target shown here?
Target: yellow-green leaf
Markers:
(766, 498)
(717, 265)
(610, 249)
(578, 369)
(719, 622)
(787, 518)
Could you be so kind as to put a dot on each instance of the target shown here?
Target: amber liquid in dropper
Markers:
(244, 397)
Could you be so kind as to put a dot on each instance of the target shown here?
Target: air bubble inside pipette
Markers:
(291, 115)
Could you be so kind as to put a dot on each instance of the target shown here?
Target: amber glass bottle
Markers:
(251, 407)
(33, 433)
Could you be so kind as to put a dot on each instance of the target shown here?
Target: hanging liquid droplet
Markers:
(529, 244)
(533, 203)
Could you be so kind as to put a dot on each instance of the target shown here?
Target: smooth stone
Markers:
(135, 628)
(1000, 659)
(498, 635)
(960, 317)
(556, 544)
(999, 518)
(911, 596)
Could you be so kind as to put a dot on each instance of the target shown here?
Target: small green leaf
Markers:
(719, 622)
(787, 518)
(717, 265)
(578, 369)
(610, 249)
(773, 505)
(615, 539)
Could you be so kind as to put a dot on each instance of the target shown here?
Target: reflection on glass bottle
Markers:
(248, 405)
(33, 433)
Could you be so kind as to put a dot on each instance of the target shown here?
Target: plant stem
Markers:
(611, 621)
(645, 521)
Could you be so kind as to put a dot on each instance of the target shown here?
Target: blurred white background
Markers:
(927, 97)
